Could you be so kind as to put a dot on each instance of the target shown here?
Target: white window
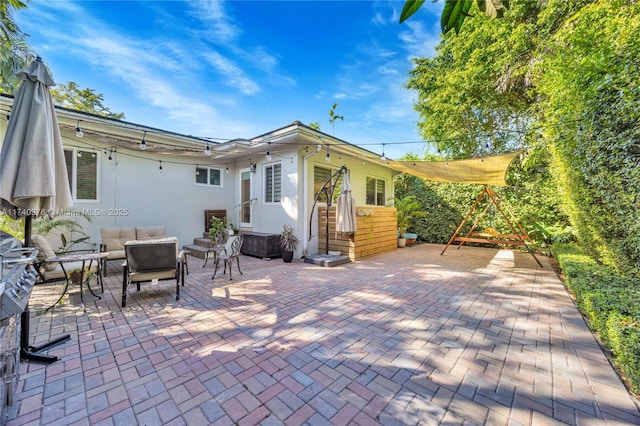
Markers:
(82, 170)
(208, 176)
(376, 191)
(322, 175)
(273, 183)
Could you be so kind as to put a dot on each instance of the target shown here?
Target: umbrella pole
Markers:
(26, 351)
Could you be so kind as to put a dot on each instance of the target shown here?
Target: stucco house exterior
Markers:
(171, 179)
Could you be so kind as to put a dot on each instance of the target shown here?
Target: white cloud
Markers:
(234, 74)
(220, 27)
(417, 41)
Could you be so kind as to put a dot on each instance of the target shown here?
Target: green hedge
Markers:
(611, 305)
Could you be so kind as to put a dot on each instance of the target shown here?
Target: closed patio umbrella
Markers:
(33, 172)
(346, 208)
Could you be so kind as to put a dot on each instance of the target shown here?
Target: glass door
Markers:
(245, 198)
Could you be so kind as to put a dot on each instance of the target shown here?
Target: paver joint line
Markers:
(476, 335)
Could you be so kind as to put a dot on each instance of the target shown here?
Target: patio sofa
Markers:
(114, 239)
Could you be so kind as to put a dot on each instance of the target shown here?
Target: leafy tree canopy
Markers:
(455, 11)
(14, 51)
(70, 95)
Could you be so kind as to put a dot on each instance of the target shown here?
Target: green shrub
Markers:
(610, 303)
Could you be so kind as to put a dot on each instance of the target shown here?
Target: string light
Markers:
(79, 130)
(382, 157)
(160, 165)
(268, 152)
(207, 150)
(327, 157)
(227, 168)
(143, 142)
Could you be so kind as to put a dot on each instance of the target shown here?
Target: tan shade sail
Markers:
(481, 171)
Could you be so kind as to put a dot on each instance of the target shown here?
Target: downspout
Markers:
(305, 213)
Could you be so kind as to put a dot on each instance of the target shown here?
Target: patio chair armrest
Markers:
(180, 258)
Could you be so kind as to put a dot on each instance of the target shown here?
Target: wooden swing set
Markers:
(519, 237)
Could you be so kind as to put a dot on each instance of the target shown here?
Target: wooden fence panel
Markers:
(376, 233)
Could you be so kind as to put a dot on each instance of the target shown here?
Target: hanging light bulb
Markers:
(327, 157)
(79, 154)
(268, 153)
(143, 142)
(383, 157)
(207, 150)
(79, 130)
(227, 168)
(93, 154)
(160, 165)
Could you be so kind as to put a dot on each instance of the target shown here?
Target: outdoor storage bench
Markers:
(114, 239)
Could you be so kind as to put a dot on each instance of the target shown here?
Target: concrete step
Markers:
(196, 250)
(202, 242)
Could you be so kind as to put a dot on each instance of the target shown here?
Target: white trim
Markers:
(209, 168)
(74, 173)
(242, 224)
(376, 194)
(264, 183)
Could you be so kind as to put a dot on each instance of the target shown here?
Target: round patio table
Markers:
(87, 260)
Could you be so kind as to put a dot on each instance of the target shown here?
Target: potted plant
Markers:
(232, 228)
(217, 226)
(79, 275)
(288, 242)
(407, 208)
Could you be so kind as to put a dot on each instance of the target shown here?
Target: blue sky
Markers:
(238, 69)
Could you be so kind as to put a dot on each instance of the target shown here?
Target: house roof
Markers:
(127, 135)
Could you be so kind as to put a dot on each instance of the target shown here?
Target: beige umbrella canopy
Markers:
(346, 208)
(33, 173)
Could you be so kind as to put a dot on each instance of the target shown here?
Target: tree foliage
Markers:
(14, 51)
(560, 79)
(70, 95)
(589, 95)
(455, 11)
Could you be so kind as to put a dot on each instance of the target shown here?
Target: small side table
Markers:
(87, 260)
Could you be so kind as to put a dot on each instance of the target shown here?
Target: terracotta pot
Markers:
(76, 277)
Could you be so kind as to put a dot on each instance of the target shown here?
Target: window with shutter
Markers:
(82, 171)
(376, 194)
(320, 176)
(273, 183)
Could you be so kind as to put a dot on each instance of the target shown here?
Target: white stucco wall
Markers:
(134, 192)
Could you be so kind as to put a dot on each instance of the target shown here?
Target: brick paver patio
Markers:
(477, 336)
